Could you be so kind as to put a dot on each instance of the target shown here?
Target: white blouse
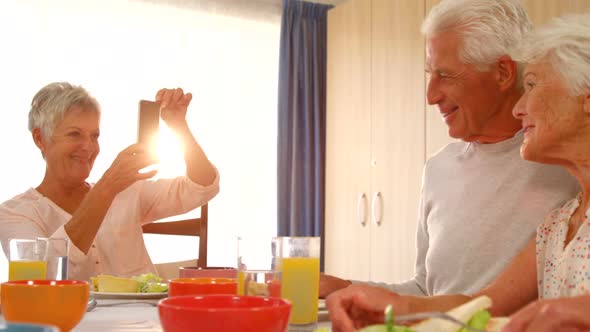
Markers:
(118, 248)
(563, 271)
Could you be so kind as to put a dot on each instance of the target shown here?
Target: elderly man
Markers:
(551, 268)
(480, 201)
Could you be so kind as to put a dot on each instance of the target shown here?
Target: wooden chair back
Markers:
(188, 227)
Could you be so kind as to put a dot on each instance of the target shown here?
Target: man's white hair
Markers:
(50, 104)
(565, 44)
(489, 28)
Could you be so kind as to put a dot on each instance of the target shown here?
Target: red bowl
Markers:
(213, 313)
(202, 286)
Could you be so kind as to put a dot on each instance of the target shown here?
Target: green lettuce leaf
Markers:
(479, 320)
(150, 283)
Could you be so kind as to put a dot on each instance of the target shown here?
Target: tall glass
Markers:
(26, 260)
(41, 258)
(257, 267)
(56, 256)
(301, 277)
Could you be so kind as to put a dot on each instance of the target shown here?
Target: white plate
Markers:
(105, 295)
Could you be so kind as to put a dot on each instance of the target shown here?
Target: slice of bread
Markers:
(110, 284)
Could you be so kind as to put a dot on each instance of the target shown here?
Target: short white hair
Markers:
(489, 29)
(565, 44)
(51, 103)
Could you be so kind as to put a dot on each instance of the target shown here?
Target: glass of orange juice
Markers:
(257, 267)
(26, 259)
(300, 266)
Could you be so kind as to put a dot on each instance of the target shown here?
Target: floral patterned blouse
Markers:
(563, 272)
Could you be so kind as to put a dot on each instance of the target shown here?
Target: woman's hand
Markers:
(124, 171)
(173, 106)
(357, 306)
(565, 314)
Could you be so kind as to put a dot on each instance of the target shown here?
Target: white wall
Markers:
(123, 51)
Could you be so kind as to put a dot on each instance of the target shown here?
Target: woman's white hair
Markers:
(565, 44)
(489, 28)
(51, 103)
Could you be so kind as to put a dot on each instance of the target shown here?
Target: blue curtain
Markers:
(302, 119)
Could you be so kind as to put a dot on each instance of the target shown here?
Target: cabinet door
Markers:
(347, 138)
(397, 135)
(541, 11)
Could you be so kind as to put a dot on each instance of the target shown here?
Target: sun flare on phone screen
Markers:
(169, 151)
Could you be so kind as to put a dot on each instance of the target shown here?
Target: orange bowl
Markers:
(202, 286)
(55, 302)
(224, 313)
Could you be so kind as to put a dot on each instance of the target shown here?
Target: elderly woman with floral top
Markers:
(554, 268)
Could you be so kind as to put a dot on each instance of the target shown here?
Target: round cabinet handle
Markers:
(377, 208)
(361, 209)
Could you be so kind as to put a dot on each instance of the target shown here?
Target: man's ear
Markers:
(507, 72)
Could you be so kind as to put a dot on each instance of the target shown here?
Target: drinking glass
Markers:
(300, 266)
(41, 258)
(257, 267)
(26, 260)
(56, 257)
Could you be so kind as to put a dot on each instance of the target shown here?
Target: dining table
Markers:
(124, 315)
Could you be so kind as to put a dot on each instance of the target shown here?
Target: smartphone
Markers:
(149, 121)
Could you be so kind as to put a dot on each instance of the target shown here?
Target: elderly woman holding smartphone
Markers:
(554, 268)
(102, 220)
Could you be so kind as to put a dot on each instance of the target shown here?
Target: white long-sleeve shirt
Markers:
(480, 204)
(118, 248)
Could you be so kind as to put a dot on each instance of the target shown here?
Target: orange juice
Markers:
(27, 270)
(241, 282)
(259, 283)
(301, 282)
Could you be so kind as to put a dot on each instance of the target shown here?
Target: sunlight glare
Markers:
(169, 149)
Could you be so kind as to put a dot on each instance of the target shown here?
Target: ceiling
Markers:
(331, 2)
(250, 5)
(263, 10)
